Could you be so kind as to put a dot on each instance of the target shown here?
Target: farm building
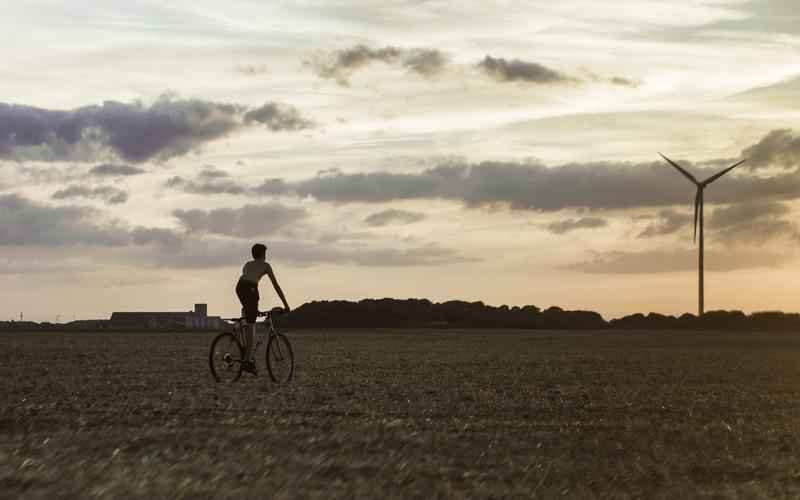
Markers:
(196, 319)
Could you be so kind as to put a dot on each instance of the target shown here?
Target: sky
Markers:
(502, 151)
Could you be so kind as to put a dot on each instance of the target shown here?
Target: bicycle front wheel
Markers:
(280, 359)
(225, 358)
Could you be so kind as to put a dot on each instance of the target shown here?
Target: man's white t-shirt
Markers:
(254, 270)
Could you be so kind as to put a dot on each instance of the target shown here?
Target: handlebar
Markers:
(275, 311)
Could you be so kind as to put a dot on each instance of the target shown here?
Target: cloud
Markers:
(222, 252)
(568, 225)
(662, 261)
(781, 94)
(736, 215)
(523, 186)
(515, 70)
(209, 181)
(213, 238)
(533, 186)
(427, 62)
(50, 175)
(779, 148)
(23, 222)
(72, 173)
(278, 117)
(165, 237)
(393, 216)
(430, 255)
(340, 65)
(668, 222)
(132, 132)
(115, 170)
(754, 223)
(245, 222)
(108, 194)
(625, 82)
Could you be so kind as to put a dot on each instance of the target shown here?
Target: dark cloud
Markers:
(210, 172)
(568, 225)
(525, 186)
(108, 194)
(27, 223)
(23, 222)
(538, 187)
(393, 216)
(247, 221)
(426, 62)
(625, 82)
(521, 71)
(661, 261)
(341, 64)
(72, 174)
(209, 181)
(779, 148)
(133, 132)
(742, 213)
(614, 80)
(209, 239)
(668, 222)
(754, 223)
(115, 170)
(278, 117)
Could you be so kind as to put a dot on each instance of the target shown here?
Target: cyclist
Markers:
(247, 291)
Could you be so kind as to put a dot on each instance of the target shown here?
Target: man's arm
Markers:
(277, 287)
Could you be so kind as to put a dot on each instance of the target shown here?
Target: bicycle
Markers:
(227, 350)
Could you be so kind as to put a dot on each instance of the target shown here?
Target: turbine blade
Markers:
(697, 207)
(681, 169)
(717, 176)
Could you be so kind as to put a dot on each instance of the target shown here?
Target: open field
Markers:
(433, 414)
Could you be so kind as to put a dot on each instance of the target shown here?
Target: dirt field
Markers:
(384, 415)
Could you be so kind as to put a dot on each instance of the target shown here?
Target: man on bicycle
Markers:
(247, 291)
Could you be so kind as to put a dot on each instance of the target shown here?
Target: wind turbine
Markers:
(698, 218)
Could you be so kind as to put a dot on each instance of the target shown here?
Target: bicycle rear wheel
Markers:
(225, 358)
(280, 359)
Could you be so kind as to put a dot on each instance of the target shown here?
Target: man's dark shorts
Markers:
(248, 296)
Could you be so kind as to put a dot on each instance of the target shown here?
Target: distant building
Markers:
(190, 320)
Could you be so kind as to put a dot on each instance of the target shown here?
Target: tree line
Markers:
(422, 313)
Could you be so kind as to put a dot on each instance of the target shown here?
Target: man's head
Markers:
(259, 251)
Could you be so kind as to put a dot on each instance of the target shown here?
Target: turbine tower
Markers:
(698, 220)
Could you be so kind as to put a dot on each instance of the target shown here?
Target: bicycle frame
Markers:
(240, 324)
